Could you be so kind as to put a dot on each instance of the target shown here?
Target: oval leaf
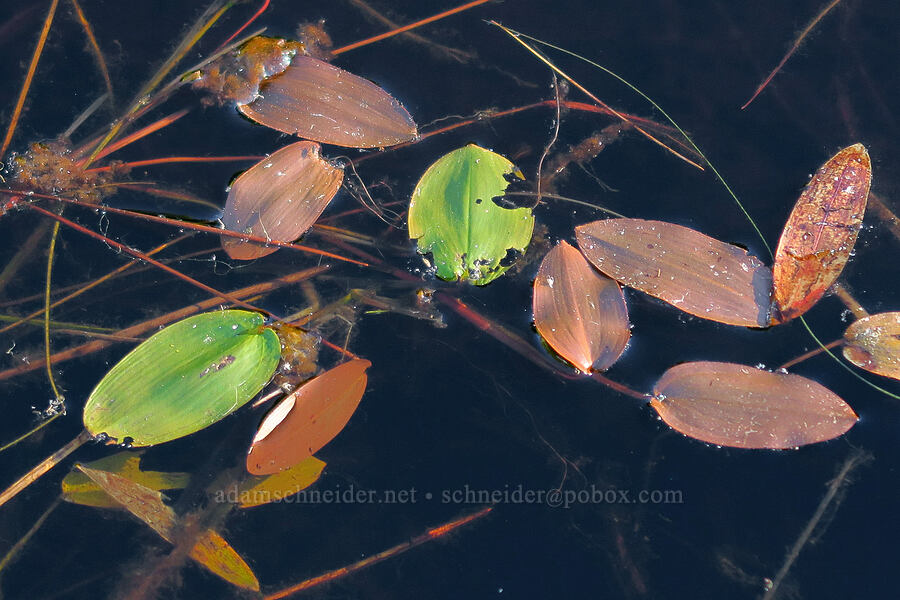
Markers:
(211, 549)
(452, 215)
(184, 378)
(279, 198)
(735, 405)
(320, 102)
(579, 312)
(691, 271)
(820, 233)
(312, 416)
(873, 344)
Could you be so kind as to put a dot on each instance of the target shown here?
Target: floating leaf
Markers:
(691, 271)
(821, 231)
(78, 488)
(873, 343)
(453, 216)
(184, 378)
(744, 407)
(320, 102)
(279, 198)
(302, 423)
(259, 490)
(211, 550)
(578, 311)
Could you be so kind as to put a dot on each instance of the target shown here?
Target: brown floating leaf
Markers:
(744, 407)
(302, 423)
(211, 550)
(279, 198)
(578, 311)
(320, 102)
(693, 272)
(820, 233)
(873, 344)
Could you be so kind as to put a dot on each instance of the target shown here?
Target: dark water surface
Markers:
(451, 410)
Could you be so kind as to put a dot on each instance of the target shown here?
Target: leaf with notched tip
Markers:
(873, 344)
(744, 407)
(691, 271)
(312, 416)
(820, 233)
(279, 198)
(320, 102)
(453, 215)
(579, 312)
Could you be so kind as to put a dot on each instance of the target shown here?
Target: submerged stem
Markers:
(42, 467)
(51, 251)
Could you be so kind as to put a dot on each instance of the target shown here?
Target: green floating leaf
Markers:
(78, 488)
(211, 550)
(453, 216)
(184, 378)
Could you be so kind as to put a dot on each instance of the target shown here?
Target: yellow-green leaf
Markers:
(452, 215)
(259, 490)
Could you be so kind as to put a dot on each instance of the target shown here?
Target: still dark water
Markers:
(450, 411)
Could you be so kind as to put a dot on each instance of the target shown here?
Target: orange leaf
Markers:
(312, 416)
(579, 312)
(211, 550)
(821, 231)
(279, 198)
(320, 102)
(744, 407)
(691, 271)
(873, 344)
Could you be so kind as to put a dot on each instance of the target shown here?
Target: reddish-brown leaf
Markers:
(279, 198)
(320, 102)
(691, 271)
(579, 312)
(820, 233)
(744, 407)
(873, 344)
(302, 423)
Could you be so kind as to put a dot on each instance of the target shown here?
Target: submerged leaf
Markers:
(320, 102)
(452, 215)
(259, 490)
(820, 233)
(184, 378)
(302, 423)
(211, 550)
(279, 198)
(873, 344)
(691, 271)
(78, 488)
(744, 407)
(579, 312)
